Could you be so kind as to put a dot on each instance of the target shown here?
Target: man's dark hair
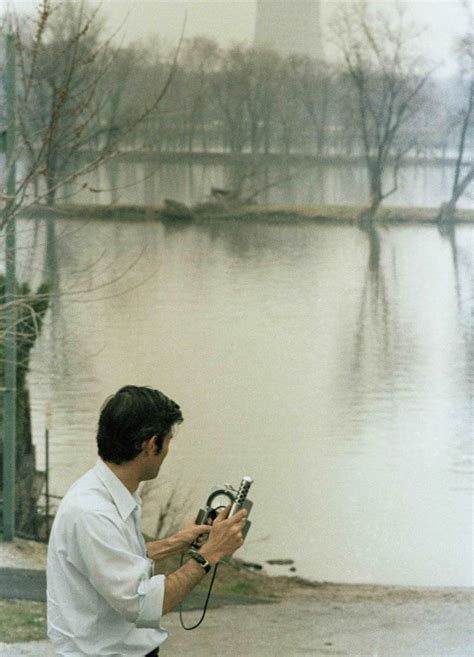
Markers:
(130, 417)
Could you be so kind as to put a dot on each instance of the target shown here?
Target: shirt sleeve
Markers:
(98, 548)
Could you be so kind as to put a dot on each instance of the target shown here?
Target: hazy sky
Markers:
(231, 21)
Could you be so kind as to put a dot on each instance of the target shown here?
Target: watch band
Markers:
(204, 563)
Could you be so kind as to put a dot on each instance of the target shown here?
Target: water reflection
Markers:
(150, 180)
(463, 452)
(374, 306)
(448, 232)
(377, 322)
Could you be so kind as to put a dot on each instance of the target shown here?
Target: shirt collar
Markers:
(125, 502)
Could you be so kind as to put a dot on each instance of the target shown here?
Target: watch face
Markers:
(201, 561)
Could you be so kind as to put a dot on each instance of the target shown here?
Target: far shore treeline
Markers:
(81, 91)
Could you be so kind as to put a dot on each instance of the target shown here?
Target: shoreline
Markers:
(238, 578)
(180, 214)
(225, 157)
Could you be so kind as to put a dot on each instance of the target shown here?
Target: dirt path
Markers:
(354, 621)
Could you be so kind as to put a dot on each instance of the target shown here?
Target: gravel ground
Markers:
(312, 627)
(23, 554)
(350, 620)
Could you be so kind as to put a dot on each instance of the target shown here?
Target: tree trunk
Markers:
(375, 196)
(29, 481)
(447, 211)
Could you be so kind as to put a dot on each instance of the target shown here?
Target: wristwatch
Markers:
(204, 563)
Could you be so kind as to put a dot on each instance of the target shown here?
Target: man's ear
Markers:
(149, 446)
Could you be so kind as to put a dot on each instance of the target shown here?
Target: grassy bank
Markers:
(22, 620)
(206, 212)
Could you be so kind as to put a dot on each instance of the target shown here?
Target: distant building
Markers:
(290, 26)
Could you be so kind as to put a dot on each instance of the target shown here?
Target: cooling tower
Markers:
(290, 26)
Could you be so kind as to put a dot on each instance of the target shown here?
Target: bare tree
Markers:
(247, 88)
(290, 122)
(311, 83)
(263, 89)
(388, 75)
(229, 84)
(71, 92)
(159, 127)
(200, 58)
(171, 506)
(464, 168)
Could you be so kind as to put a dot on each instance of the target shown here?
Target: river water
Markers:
(334, 366)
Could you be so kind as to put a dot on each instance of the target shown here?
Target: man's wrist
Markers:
(210, 555)
(201, 560)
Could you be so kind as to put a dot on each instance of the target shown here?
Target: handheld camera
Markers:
(219, 498)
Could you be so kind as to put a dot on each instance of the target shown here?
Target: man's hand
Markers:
(178, 543)
(225, 536)
(186, 536)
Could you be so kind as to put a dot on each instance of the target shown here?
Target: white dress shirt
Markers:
(102, 596)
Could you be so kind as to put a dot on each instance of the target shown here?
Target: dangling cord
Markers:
(193, 627)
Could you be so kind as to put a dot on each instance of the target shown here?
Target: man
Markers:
(102, 596)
